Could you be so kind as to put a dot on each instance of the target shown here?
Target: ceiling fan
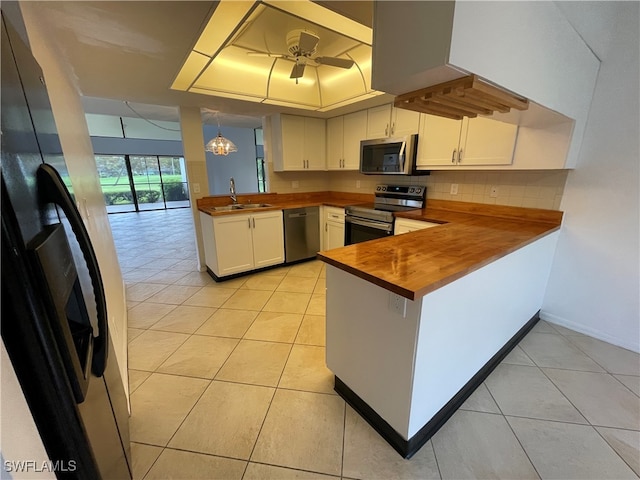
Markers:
(302, 45)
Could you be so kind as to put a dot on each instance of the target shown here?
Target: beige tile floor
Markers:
(228, 381)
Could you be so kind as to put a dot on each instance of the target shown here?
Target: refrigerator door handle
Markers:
(52, 189)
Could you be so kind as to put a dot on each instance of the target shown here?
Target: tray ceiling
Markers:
(221, 62)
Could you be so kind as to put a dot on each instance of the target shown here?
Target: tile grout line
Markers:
(565, 396)
(614, 450)
(522, 446)
(279, 377)
(435, 457)
(344, 439)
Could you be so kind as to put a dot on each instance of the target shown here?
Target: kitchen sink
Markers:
(226, 208)
(253, 205)
(240, 206)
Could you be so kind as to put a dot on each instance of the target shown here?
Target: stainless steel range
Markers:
(370, 221)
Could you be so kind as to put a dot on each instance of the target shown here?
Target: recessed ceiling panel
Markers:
(362, 56)
(231, 72)
(283, 88)
(267, 32)
(256, 61)
(335, 83)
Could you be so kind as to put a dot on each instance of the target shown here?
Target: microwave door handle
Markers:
(402, 157)
(51, 189)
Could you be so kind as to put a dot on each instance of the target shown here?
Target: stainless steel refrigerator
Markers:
(54, 318)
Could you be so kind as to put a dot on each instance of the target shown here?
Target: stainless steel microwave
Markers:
(389, 156)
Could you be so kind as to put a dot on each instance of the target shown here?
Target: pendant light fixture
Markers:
(220, 145)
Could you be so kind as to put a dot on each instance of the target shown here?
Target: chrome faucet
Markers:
(232, 190)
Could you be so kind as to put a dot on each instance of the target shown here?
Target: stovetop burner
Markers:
(389, 199)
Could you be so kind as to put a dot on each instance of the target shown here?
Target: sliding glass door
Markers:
(115, 182)
(147, 182)
(142, 182)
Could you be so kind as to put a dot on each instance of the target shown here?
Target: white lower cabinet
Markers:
(242, 242)
(405, 225)
(333, 231)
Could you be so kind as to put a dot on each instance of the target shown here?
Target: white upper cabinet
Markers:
(355, 130)
(387, 121)
(470, 142)
(379, 122)
(438, 142)
(344, 134)
(404, 122)
(298, 143)
(335, 143)
(543, 59)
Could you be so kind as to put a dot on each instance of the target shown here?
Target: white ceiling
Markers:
(132, 50)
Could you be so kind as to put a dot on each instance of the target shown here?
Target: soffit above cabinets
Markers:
(223, 62)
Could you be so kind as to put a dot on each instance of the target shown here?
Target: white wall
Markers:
(194, 156)
(240, 165)
(76, 146)
(594, 285)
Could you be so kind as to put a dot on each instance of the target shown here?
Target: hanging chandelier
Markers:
(220, 145)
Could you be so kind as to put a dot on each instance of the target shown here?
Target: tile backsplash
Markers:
(529, 188)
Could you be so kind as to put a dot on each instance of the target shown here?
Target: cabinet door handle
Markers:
(393, 128)
(460, 156)
(453, 156)
(326, 228)
(254, 222)
(386, 130)
(249, 220)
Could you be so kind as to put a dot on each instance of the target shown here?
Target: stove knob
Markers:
(378, 188)
(411, 190)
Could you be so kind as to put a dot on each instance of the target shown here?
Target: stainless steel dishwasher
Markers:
(301, 233)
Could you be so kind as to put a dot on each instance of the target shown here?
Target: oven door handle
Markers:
(387, 227)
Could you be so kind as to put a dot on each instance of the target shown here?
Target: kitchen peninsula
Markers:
(415, 322)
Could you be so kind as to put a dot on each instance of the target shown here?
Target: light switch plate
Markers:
(454, 189)
(196, 188)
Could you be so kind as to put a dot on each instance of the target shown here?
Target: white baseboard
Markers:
(632, 345)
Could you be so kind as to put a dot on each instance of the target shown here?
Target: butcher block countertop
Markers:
(470, 236)
(279, 201)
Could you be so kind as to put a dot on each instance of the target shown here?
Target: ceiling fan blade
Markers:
(335, 62)
(297, 71)
(265, 54)
(307, 43)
